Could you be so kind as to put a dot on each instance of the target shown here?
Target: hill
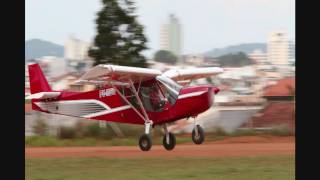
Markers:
(36, 48)
(246, 48)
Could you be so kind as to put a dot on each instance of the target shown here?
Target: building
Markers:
(196, 60)
(76, 49)
(258, 56)
(67, 82)
(292, 52)
(278, 48)
(171, 36)
(76, 55)
(279, 111)
(52, 66)
(284, 89)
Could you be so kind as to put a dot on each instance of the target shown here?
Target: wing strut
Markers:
(145, 117)
(125, 99)
(148, 123)
(139, 101)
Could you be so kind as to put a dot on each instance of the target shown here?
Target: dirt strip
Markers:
(225, 148)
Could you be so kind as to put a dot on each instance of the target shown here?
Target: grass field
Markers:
(132, 140)
(240, 168)
(46, 141)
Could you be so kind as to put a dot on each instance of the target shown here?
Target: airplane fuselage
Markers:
(106, 104)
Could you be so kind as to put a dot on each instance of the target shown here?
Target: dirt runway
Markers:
(238, 146)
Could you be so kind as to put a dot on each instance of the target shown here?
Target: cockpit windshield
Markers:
(171, 88)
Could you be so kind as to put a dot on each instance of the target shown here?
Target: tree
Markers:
(165, 57)
(234, 60)
(120, 39)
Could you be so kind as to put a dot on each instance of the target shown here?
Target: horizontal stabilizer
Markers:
(44, 95)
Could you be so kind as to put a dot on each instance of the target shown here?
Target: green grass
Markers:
(240, 168)
(46, 141)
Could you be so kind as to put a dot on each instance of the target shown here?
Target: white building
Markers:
(258, 56)
(292, 51)
(197, 59)
(52, 66)
(278, 48)
(171, 36)
(238, 73)
(76, 49)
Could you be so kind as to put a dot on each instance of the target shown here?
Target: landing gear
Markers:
(198, 134)
(169, 139)
(145, 141)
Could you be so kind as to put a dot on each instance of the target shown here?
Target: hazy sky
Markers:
(206, 24)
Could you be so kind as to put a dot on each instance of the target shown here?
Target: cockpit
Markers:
(170, 88)
(156, 95)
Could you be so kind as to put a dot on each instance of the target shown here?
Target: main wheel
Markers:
(145, 142)
(172, 142)
(198, 139)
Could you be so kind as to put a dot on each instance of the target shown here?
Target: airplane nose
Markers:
(210, 93)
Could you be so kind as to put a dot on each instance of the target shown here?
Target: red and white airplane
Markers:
(130, 95)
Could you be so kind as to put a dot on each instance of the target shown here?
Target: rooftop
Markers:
(283, 87)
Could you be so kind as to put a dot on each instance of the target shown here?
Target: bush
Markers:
(244, 132)
(67, 133)
(42, 141)
(93, 130)
(280, 130)
(131, 130)
(40, 128)
(107, 133)
(219, 131)
(80, 129)
(165, 57)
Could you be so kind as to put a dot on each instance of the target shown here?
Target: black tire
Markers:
(200, 138)
(172, 142)
(145, 142)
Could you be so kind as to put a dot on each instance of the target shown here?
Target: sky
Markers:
(206, 24)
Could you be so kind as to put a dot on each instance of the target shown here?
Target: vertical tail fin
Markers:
(38, 82)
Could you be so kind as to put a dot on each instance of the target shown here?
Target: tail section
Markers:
(38, 82)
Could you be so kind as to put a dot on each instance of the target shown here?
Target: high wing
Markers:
(44, 95)
(186, 75)
(118, 75)
(121, 75)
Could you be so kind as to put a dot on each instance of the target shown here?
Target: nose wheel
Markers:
(198, 135)
(145, 142)
(169, 141)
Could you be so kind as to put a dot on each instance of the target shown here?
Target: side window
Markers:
(130, 97)
(152, 98)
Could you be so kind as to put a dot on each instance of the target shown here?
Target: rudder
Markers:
(38, 82)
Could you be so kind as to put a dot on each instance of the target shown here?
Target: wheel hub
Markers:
(144, 143)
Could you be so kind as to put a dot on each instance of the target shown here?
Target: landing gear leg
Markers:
(197, 134)
(169, 139)
(145, 141)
